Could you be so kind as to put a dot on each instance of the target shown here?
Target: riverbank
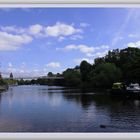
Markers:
(3, 88)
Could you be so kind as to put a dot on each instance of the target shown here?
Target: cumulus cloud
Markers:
(81, 48)
(101, 54)
(104, 47)
(13, 37)
(35, 29)
(61, 29)
(134, 44)
(13, 29)
(92, 56)
(32, 29)
(87, 50)
(53, 65)
(13, 42)
(58, 30)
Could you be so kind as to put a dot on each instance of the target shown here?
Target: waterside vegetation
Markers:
(116, 66)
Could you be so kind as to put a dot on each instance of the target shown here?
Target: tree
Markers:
(72, 78)
(104, 75)
(128, 61)
(133, 73)
(50, 74)
(98, 61)
(85, 69)
(58, 75)
(113, 57)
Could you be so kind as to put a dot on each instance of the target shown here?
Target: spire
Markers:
(11, 76)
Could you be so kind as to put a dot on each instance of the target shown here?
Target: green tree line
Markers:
(117, 66)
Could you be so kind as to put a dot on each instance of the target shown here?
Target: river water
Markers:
(57, 109)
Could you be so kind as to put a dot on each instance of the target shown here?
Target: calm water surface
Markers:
(57, 109)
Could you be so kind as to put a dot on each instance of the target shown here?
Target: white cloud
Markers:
(35, 29)
(104, 47)
(13, 37)
(71, 47)
(90, 54)
(58, 30)
(85, 49)
(81, 48)
(13, 29)
(61, 29)
(101, 54)
(88, 51)
(32, 29)
(98, 54)
(12, 42)
(53, 65)
(134, 44)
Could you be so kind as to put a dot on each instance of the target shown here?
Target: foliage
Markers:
(10, 81)
(72, 77)
(104, 75)
(118, 65)
(50, 74)
(2, 82)
(85, 69)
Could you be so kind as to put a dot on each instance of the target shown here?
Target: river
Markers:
(58, 109)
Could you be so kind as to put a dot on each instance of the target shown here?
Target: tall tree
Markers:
(85, 69)
(72, 77)
(50, 74)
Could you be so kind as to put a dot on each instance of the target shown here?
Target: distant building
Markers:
(11, 76)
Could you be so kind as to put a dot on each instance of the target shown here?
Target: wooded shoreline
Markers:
(116, 66)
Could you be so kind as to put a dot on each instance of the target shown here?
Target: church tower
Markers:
(11, 76)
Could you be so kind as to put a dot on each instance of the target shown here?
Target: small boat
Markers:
(133, 88)
(118, 89)
(121, 90)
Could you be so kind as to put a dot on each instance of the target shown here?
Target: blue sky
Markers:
(34, 41)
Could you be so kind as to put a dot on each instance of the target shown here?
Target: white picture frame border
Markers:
(67, 4)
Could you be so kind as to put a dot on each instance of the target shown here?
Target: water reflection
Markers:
(60, 109)
(123, 114)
